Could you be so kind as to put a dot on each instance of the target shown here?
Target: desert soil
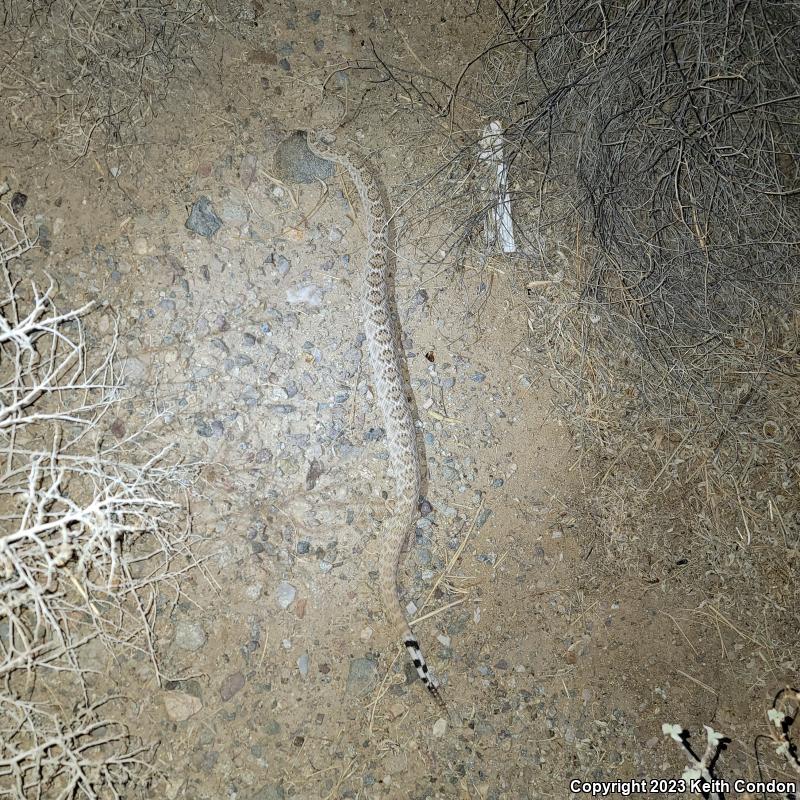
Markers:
(277, 678)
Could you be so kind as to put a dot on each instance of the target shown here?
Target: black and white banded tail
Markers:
(418, 660)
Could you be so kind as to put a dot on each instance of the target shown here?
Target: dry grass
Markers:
(93, 72)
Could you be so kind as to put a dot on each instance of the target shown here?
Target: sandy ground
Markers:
(279, 681)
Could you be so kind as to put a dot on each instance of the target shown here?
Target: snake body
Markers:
(385, 357)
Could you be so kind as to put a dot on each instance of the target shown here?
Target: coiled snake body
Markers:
(380, 329)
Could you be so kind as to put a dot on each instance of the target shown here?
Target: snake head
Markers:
(321, 139)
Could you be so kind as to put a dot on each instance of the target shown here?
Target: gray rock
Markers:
(269, 791)
(362, 676)
(314, 471)
(295, 163)
(233, 684)
(285, 594)
(202, 218)
(189, 636)
(448, 473)
(482, 518)
(217, 428)
(302, 664)
(134, 369)
(233, 213)
(247, 170)
(374, 434)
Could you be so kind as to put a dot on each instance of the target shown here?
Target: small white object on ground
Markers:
(501, 224)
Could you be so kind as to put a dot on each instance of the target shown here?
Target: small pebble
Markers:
(440, 727)
(202, 219)
(180, 705)
(189, 636)
(286, 594)
(253, 591)
(310, 295)
(374, 434)
(482, 518)
(247, 170)
(233, 684)
(362, 676)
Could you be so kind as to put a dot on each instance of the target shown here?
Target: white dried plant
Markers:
(89, 528)
(44, 755)
(700, 767)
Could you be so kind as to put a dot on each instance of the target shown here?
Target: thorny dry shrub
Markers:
(664, 137)
(90, 529)
(653, 166)
(91, 72)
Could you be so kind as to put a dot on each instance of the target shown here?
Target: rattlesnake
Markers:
(385, 357)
